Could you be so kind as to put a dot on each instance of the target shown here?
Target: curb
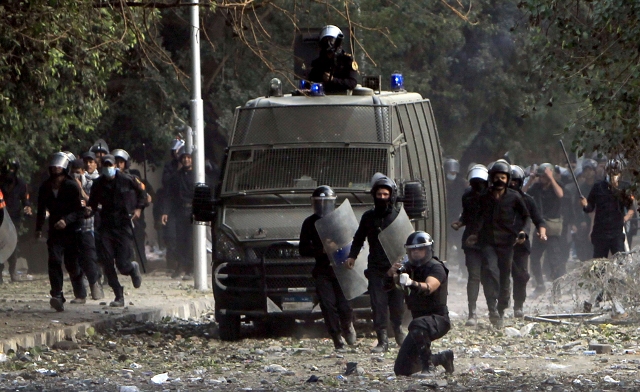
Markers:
(192, 308)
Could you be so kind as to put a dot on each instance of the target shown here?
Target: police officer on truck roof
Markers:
(336, 310)
(335, 69)
(424, 278)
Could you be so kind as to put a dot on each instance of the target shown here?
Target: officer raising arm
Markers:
(425, 279)
(335, 69)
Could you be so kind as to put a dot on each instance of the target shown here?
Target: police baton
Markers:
(571, 169)
(144, 160)
(135, 242)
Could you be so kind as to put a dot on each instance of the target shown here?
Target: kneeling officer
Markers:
(424, 278)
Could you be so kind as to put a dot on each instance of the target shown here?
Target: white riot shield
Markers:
(8, 237)
(336, 231)
(394, 236)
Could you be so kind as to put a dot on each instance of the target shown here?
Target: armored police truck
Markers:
(281, 148)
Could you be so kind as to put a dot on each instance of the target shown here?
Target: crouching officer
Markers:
(335, 69)
(336, 310)
(121, 198)
(424, 278)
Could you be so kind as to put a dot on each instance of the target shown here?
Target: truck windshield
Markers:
(312, 123)
(259, 169)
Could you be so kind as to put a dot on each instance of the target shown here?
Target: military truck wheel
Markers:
(229, 325)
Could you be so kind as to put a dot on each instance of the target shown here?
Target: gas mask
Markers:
(109, 171)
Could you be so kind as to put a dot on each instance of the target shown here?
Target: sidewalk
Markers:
(26, 319)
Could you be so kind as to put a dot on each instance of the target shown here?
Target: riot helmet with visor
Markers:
(417, 242)
(323, 200)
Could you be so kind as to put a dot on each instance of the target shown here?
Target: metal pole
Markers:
(571, 169)
(197, 121)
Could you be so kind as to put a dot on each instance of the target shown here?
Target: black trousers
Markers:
(115, 245)
(184, 241)
(520, 274)
(496, 275)
(63, 247)
(602, 246)
(554, 264)
(139, 231)
(386, 303)
(336, 311)
(169, 236)
(422, 331)
(87, 259)
(473, 260)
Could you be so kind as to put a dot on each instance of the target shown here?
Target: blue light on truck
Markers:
(397, 82)
(317, 89)
(304, 85)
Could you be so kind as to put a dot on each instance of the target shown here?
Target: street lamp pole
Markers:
(197, 121)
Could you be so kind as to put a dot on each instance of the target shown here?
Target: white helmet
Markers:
(329, 31)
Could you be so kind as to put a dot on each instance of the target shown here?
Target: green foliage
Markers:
(590, 49)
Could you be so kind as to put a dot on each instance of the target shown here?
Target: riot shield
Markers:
(8, 237)
(394, 236)
(336, 231)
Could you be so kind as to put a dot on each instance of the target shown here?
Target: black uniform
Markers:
(521, 252)
(550, 207)
(383, 300)
(16, 197)
(584, 247)
(472, 253)
(119, 198)
(342, 68)
(168, 231)
(430, 317)
(178, 206)
(610, 205)
(501, 221)
(336, 310)
(456, 189)
(63, 203)
(140, 225)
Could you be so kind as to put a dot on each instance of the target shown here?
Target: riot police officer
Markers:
(123, 163)
(424, 278)
(520, 267)
(477, 178)
(335, 69)
(122, 200)
(99, 149)
(385, 303)
(612, 206)
(60, 195)
(336, 310)
(503, 213)
(177, 210)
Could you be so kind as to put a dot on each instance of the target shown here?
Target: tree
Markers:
(590, 49)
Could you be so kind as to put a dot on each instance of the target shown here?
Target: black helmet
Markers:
(500, 166)
(119, 153)
(517, 175)
(59, 159)
(419, 240)
(323, 200)
(385, 182)
(182, 151)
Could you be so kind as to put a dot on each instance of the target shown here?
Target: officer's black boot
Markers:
(119, 301)
(473, 316)
(338, 342)
(57, 303)
(444, 358)
(349, 334)
(383, 342)
(518, 311)
(424, 353)
(136, 276)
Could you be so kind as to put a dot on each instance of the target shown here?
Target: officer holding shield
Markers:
(386, 299)
(336, 310)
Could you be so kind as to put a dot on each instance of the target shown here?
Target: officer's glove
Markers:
(405, 280)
